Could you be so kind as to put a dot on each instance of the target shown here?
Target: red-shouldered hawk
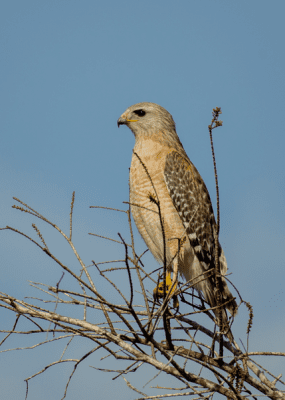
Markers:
(184, 200)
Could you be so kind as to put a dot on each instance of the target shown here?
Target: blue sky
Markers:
(68, 71)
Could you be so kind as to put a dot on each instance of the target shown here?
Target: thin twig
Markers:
(70, 215)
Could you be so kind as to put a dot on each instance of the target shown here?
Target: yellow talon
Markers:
(158, 290)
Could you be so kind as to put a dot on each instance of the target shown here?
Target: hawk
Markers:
(161, 173)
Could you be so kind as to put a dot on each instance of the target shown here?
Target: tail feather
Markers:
(231, 305)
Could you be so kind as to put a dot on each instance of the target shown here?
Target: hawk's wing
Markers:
(191, 199)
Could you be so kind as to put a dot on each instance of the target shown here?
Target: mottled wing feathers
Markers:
(192, 201)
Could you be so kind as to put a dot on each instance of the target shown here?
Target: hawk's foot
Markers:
(158, 290)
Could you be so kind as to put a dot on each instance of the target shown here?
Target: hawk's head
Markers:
(146, 119)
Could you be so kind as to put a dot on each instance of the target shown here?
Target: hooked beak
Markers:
(124, 121)
(121, 121)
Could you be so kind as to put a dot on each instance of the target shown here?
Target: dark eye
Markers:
(140, 113)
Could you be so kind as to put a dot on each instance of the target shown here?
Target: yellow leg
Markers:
(168, 281)
(158, 291)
